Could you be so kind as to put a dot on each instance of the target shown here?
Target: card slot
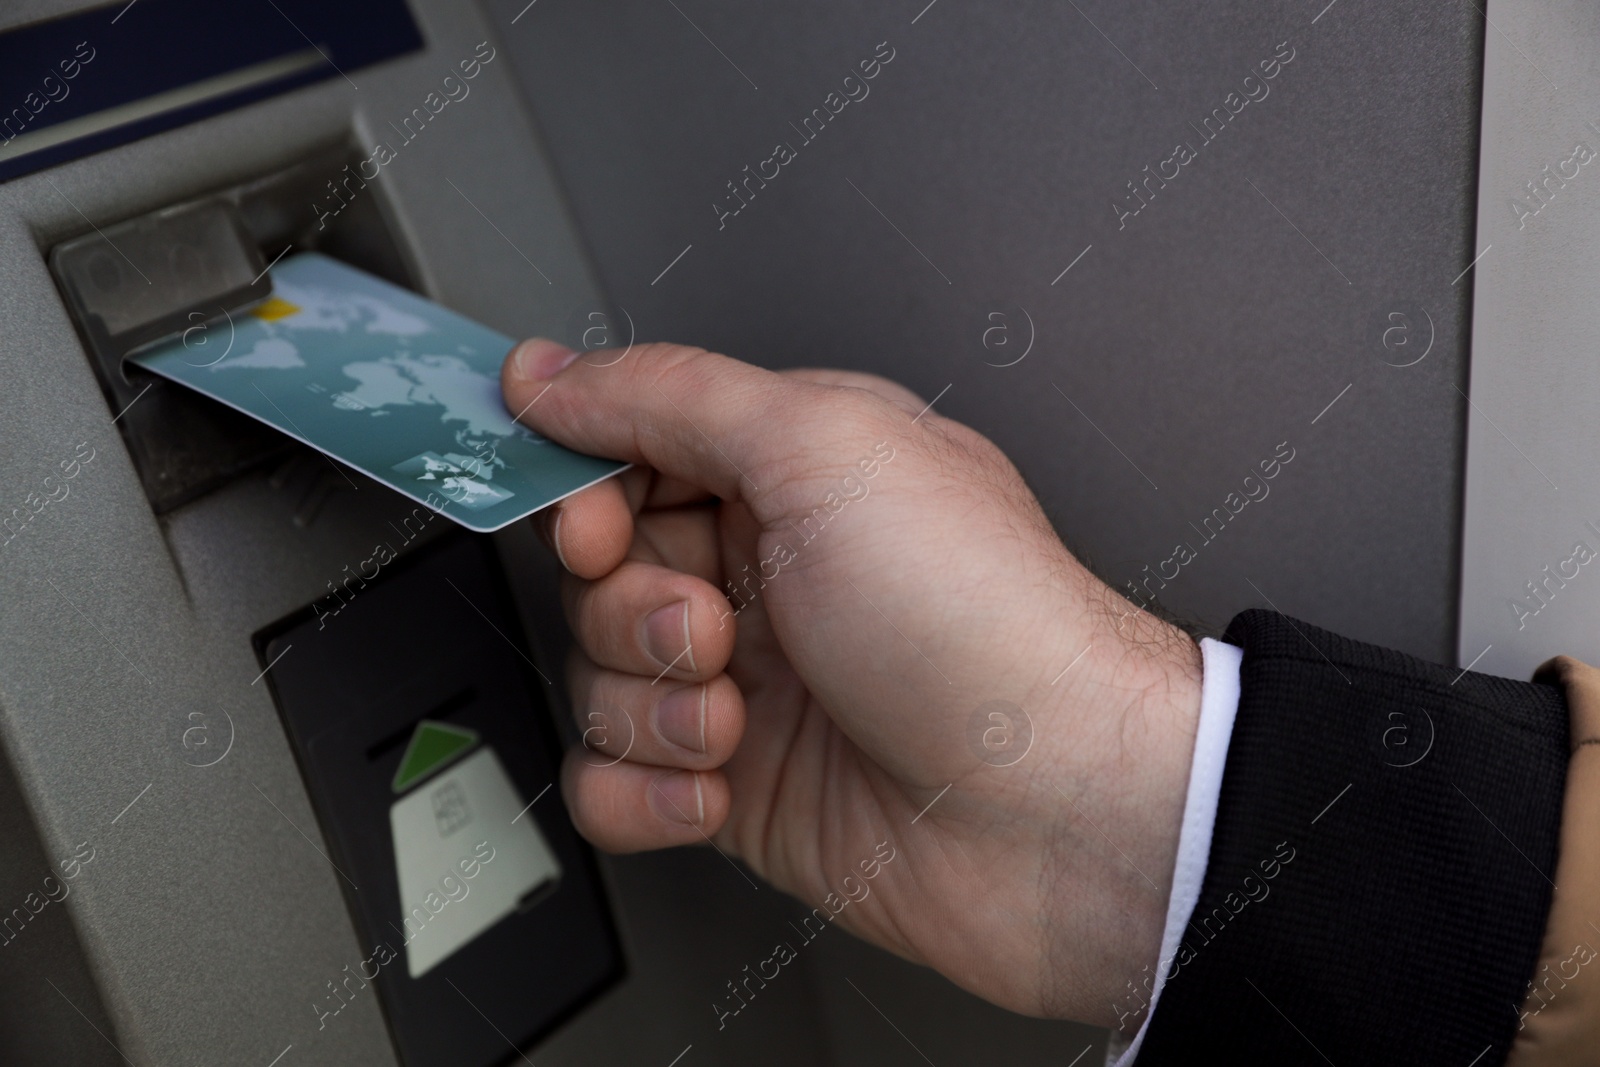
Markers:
(445, 710)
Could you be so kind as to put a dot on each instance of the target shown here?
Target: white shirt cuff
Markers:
(1219, 703)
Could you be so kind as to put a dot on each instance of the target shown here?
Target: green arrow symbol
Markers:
(433, 744)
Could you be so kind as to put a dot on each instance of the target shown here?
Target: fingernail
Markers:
(666, 635)
(555, 537)
(681, 717)
(538, 358)
(677, 798)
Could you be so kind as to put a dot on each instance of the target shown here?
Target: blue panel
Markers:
(82, 65)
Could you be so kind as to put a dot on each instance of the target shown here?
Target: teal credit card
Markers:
(392, 384)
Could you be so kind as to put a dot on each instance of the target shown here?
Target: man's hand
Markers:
(790, 615)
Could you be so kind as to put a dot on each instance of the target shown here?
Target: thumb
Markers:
(690, 414)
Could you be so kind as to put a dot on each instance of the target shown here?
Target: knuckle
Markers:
(662, 363)
(876, 412)
(831, 414)
(889, 390)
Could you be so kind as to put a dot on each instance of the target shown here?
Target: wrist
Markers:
(1132, 712)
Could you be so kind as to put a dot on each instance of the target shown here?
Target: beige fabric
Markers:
(1560, 1016)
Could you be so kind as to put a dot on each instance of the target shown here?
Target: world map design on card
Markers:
(392, 384)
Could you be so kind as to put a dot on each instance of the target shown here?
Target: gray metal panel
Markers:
(1197, 338)
(40, 941)
(1533, 457)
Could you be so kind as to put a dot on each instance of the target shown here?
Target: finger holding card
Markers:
(590, 531)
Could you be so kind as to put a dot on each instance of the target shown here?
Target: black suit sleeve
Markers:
(1380, 871)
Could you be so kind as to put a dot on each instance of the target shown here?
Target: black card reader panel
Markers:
(433, 639)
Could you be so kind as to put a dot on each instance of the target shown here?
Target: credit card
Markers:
(392, 384)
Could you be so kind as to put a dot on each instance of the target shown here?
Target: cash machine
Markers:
(233, 830)
(238, 830)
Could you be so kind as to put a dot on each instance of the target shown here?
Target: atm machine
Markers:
(219, 811)
(238, 832)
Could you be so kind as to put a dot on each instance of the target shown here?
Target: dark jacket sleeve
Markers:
(1380, 871)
